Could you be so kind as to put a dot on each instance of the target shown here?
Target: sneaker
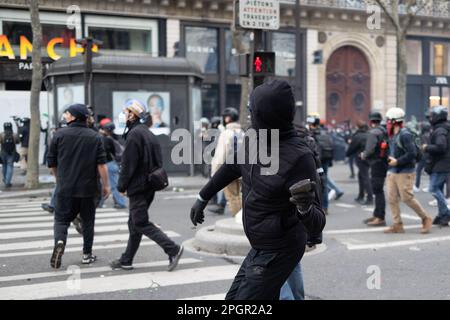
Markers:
(395, 228)
(377, 222)
(359, 199)
(416, 190)
(77, 223)
(366, 221)
(426, 189)
(173, 261)
(443, 222)
(433, 203)
(331, 195)
(437, 220)
(47, 207)
(339, 195)
(116, 264)
(117, 206)
(368, 202)
(58, 251)
(88, 258)
(427, 223)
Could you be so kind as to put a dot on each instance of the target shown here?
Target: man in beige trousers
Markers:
(228, 141)
(401, 174)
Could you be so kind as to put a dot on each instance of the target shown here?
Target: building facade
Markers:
(348, 66)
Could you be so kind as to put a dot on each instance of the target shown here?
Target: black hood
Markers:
(272, 106)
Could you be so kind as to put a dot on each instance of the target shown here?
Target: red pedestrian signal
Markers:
(264, 64)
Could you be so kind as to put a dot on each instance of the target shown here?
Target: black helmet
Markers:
(110, 127)
(438, 114)
(232, 113)
(215, 122)
(375, 116)
(7, 126)
(26, 120)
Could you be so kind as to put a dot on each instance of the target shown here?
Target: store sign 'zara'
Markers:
(26, 47)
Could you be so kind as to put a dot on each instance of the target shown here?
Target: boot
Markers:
(377, 222)
(427, 223)
(395, 228)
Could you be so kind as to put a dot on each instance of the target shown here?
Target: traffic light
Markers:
(263, 65)
(318, 57)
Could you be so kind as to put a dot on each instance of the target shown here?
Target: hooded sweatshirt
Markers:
(270, 220)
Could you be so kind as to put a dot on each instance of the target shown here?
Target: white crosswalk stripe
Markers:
(26, 231)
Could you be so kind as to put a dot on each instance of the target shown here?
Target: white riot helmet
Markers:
(395, 115)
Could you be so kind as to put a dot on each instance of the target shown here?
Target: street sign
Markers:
(259, 14)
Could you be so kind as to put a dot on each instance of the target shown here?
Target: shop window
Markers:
(435, 96)
(446, 96)
(233, 96)
(414, 56)
(210, 100)
(123, 39)
(283, 45)
(13, 31)
(202, 47)
(440, 56)
(231, 54)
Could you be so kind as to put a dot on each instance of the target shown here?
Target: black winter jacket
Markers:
(439, 148)
(404, 150)
(142, 154)
(358, 143)
(270, 219)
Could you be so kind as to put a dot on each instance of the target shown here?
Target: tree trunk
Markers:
(36, 84)
(402, 70)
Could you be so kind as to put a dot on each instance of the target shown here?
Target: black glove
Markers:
(197, 214)
(303, 196)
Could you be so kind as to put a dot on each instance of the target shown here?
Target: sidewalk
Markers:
(18, 190)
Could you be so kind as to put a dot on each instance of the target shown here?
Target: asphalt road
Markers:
(356, 263)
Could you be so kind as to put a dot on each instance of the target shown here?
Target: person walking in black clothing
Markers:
(276, 220)
(76, 157)
(376, 152)
(356, 147)
(141, 156)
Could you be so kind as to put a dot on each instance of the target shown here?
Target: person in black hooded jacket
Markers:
(275, 221)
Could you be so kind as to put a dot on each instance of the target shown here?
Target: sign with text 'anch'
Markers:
(259, 14)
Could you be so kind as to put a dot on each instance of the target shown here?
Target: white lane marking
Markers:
(49, 232)
(367, 230)
(345, 205)
(28, 210)
(392, 244)
(50, 224)
(87, 270)
(145, 242)
(46, 214)
(118, 283)
(220, 296)
(51, 218)
(39, 244)
(188, 196)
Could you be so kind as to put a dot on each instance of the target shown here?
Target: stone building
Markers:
(348, 67)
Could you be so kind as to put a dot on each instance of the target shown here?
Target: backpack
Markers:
(118, 149)
(382, 147)
(8, 145)
(417, 143)
(325, 145)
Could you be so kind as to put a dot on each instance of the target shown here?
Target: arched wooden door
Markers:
(348, 86)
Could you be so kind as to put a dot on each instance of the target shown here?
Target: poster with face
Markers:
(158, 104)
(67, 95)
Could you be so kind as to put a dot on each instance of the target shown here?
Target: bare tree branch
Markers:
(412, 14)
(389, 14)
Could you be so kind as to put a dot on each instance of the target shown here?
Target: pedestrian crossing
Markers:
(26, 234)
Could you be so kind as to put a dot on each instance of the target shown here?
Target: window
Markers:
(123, 39)
(414, 56)
(202, 47)
(440, 56)
(13, 31)
(210, 100)
(284, 46)
(435, 96)
(445, 96)
(231, 59)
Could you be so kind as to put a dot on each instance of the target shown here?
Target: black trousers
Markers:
(263, 273)
(365, 187)
(67, 209)
(378, 173)
(138, 225)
